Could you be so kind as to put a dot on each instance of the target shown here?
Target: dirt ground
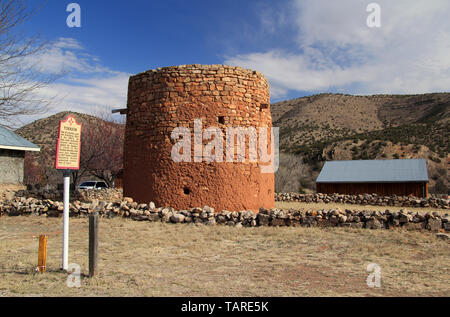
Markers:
(155, 259)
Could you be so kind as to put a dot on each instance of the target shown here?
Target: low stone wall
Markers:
(115, 195)
(110, 194)
(206, 215)
(366, 199)
(85, 195)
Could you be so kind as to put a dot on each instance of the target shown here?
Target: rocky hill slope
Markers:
(344, 127)
(44, 133)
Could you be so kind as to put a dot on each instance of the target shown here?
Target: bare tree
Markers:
(101, 151)
(19, 79)
(107, 162)
(33, 171)
(37, 169)
(291, 174)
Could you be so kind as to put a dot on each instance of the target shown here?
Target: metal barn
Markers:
(383, 177)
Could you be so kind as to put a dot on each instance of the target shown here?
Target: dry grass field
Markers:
(154, 259)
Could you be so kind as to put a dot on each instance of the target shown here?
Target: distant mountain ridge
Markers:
(320, 117)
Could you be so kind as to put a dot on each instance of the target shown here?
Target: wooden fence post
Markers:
(93, 243)
(42, 255)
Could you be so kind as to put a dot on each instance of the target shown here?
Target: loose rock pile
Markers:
(109, 194)
(207, 216)
(366, 199)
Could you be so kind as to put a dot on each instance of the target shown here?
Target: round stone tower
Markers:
(182, 97)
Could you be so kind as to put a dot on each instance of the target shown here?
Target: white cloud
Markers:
(84, 85)
(65, 55)
(67, 42)
(334, 49)
(271, 17)
(99, 93)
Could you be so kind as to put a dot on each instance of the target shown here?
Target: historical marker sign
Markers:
(68, 148)
(67, 159)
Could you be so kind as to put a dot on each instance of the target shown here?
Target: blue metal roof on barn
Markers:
(374, 171)
(12, 141)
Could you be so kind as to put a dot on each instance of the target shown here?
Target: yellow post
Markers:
(42, 257)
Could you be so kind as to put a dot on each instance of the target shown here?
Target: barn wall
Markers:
(384, 189)
(11, 166)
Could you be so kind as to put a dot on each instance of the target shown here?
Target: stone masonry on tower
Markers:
(162, 100)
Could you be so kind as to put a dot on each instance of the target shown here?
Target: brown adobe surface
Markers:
(222, 96)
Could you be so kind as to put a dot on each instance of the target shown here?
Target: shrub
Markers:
(434, 159)
(440, 187)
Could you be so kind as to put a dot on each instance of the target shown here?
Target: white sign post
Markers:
(67, 159)
(65, 261)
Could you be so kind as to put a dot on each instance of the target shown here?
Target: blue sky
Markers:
(302, 46)
(132, 36)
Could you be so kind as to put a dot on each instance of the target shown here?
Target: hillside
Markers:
(44, 133)
(324, 127)
(337, 127)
